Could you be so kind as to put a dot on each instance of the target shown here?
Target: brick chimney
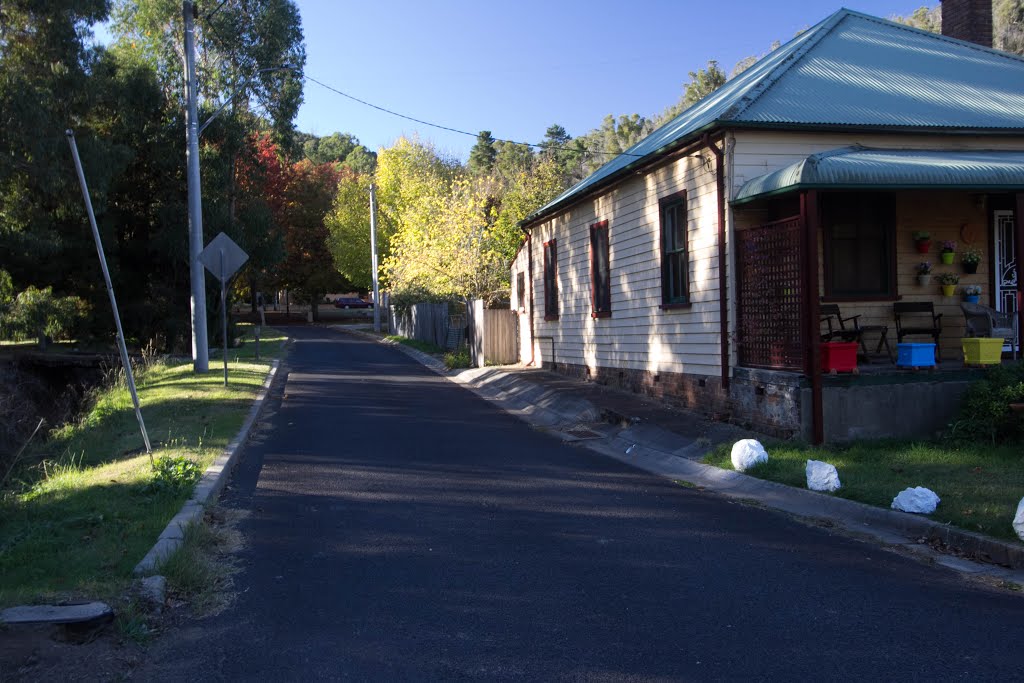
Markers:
(969, 20)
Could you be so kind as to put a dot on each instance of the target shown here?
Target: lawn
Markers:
(75, 525)
(979, 485)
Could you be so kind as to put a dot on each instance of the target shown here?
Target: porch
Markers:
(833, 238)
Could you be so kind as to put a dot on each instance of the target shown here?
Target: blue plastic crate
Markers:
(915, 355)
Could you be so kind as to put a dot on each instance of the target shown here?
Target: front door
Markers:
(1005, 266)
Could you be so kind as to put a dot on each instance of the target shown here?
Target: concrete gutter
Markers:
(208, 488)
(675, 457)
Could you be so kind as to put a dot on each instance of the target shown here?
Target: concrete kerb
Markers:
(209, 486)
(653, 453)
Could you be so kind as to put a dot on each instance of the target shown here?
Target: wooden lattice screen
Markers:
(771, 296)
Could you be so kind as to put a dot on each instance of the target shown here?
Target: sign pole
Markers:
(224, 312)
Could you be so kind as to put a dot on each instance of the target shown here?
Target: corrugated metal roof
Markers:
(853, 70)
(860, 167)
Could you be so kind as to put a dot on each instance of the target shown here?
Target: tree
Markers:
(483, 154)
(702, 83)
(1008, 26)
(308, 268)
(249, 51)
(924, 18)
(38, 313)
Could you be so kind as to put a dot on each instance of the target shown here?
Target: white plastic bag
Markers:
(746, 453)
(822, 477)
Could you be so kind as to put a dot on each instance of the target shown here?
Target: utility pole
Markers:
(373, 257)
(200, 345)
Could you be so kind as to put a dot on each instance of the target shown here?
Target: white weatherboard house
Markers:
(701, 263)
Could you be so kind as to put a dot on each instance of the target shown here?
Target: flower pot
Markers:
(839, 356)
(924, 279)
(970, 268)
(923, 246)
(947, 257)
(972, 298)
(982, 350)
(948, 290)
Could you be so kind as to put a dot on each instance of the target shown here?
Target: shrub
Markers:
(985, 413)
(173, 475)
(38, 313)
(458, 359)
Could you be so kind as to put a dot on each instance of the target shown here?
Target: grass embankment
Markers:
(979, 486)
(76, 524)
(419, 345)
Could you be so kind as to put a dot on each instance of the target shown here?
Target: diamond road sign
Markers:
(223, 267)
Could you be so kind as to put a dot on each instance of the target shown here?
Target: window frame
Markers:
(676, 200)
(551, 279)
(521, 291)
(889, 269)
(600, 299)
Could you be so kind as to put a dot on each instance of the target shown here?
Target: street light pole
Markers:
(200, 344)
(373, 258)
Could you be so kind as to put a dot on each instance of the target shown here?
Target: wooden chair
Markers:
(923, 321)
(855, 332)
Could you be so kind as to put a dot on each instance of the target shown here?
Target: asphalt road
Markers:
(400, 528)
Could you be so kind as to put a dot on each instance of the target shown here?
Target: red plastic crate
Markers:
(839, 356)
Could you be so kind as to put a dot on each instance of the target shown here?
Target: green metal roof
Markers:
(851, 70)
(861, 167)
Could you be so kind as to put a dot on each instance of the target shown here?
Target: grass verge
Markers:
(425, 347)
(200, 572)
(75, 524)
(979, 486)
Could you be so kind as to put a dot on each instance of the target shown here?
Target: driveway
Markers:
(401, 528)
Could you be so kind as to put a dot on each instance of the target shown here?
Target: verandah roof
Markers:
(863, 168)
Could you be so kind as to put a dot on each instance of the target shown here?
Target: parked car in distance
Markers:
(351, 302)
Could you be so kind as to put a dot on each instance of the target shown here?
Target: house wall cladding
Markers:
(639, 336)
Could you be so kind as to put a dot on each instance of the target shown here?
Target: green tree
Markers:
(483, 154)
(1008, 25)
(924, 18)
(702, 83)
(249, 51)
(38, 313)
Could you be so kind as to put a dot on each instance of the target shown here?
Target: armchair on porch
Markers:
(854, 332)
(923, 321)
(982, 321)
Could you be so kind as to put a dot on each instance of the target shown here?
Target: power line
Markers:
(456, 130)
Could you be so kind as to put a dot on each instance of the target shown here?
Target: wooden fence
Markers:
(426, 322)
(493, 335)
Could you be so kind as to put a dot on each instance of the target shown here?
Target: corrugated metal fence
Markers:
(494, 335)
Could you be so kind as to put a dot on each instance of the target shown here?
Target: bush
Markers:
(458, 359)
(38, 313)
(985, 412)
(173, 475)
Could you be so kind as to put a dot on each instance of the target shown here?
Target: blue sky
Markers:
(514, 68)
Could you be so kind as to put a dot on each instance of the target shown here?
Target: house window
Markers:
(675, 259)
(859, 249)
(551, 280)
(521, 291)
(600, 272)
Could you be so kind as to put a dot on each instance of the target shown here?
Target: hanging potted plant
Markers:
(972, 293)
(949, 282)
(923, 241)
(948, 252)
(924, 273)
(970, 259)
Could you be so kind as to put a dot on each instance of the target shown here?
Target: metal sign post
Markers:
(130, 378)
(223, 258)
